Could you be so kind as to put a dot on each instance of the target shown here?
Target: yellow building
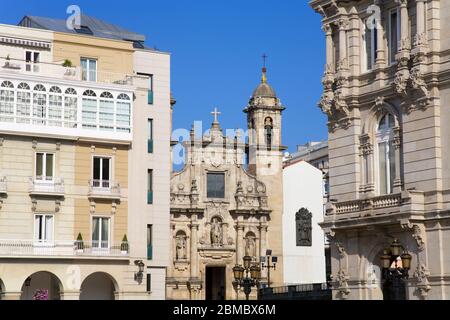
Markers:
(84, 134)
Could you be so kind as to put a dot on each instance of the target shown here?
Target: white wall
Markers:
(303, 188)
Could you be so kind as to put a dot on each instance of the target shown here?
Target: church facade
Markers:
(226, 203)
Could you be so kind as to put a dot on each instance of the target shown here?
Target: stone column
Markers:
(70, 295)
(420, 38)
(343, 59)
(239, 243)
(405, 42)
(11, 295)
(380, 45)
(194, 241)
(397, 187)
(263, 243)
(330, 64)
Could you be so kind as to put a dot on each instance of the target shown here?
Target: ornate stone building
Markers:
(386, 92)
(223, 209)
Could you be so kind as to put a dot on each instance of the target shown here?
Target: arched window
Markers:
(70, 108)
(106, 112)
(7, 101)
(89, 110)
(55, 107)
(386, 154)
(39, 105)
(23, 103)
(268, 129)
(123, 116)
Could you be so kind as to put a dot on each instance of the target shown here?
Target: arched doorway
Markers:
(98, 286)
(41, 285)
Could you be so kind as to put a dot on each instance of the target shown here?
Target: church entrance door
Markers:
(215, 283)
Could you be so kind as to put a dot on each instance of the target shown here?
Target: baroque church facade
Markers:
(226, 203)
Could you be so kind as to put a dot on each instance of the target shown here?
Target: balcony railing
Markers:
(385, 201)
(54, 70)
(47, 186)
(26, 248)
(104, 189)
(3, 185)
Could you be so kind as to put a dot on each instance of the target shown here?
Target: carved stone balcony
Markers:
(381, 209)
(104, 189)
(47, 186)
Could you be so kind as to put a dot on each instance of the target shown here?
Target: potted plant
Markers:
(7, 62)
(70, 70)
(124, 245)
(67, 63)
(79, 243)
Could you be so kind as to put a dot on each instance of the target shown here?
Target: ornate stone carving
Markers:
(423, 285)
(181, 245)
(417, 233)
(365, 147)
(303, 223)
(418, 83)
(401, 81)
(420, 40)
(250, 246)
(342, 284)
(397, 142)
(216, 233)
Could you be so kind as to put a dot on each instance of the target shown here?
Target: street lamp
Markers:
(268, 262)
(391, 255)
(247, 276)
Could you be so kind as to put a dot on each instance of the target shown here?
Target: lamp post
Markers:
(138, 276)
(394, 275)
(268, 262)
(247, 276)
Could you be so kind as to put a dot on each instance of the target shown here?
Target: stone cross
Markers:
(216, 114)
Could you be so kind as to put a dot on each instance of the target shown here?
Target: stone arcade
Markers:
(223, 209)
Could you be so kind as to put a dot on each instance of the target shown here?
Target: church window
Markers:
(386, 154)
(216, 185)
(303, 224)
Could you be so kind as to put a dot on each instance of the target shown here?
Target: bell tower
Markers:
(265, 161)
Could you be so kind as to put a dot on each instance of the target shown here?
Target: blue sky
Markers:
(216, 48)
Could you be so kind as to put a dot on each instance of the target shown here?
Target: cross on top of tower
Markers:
(216, 114)
(264, 69)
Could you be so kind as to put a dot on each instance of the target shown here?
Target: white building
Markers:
(303, 239)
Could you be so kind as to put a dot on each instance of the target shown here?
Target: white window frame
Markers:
(101, 218)
(391, 57)
(34, 65)
(88, 70)
(373, 35)
(44, 166)
(384, 136)
(44, 225)
(101, 170)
